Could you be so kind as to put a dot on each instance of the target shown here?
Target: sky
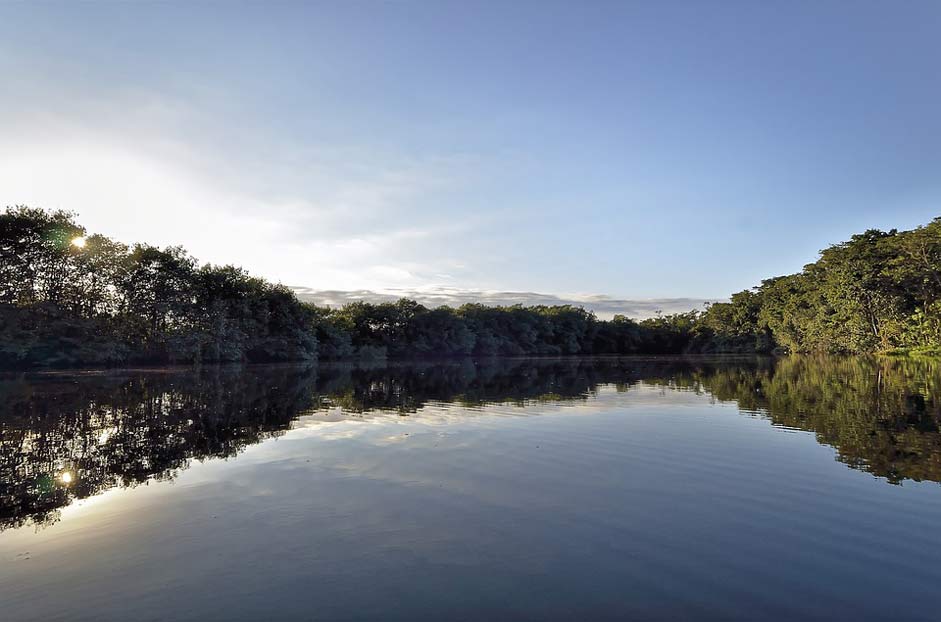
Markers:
(665, 152)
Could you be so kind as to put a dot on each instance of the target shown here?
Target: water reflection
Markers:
(64, 437)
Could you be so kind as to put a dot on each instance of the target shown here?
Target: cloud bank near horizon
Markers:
(604, 307)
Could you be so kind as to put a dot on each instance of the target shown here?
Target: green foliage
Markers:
(879, 291)
(103, 303)
(37, 259)
(665, 334)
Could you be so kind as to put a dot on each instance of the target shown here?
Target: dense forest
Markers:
(70, 298)
(878, 292)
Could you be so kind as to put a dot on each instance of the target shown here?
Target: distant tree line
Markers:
(68, 298)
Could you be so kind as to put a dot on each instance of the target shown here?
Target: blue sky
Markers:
(632, 149)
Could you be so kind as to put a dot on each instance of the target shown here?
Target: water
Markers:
(571, 489)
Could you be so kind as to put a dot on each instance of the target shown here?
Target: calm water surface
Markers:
(508, 490)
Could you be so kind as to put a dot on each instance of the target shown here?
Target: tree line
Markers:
(880, 291)
(68, 298)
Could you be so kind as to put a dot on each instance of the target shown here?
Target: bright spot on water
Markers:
(65, 477)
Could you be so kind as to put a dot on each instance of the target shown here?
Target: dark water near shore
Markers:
(514, 489)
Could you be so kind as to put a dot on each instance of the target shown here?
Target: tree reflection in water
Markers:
(66, 437)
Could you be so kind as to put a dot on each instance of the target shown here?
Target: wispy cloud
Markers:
(604, 306)
(150, 169)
